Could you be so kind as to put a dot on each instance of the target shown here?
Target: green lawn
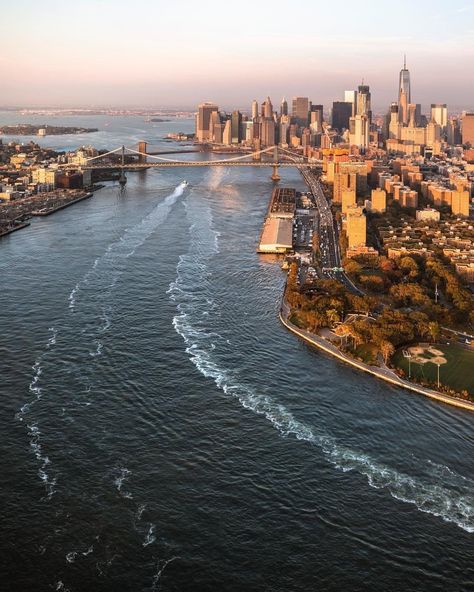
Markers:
(457, 373)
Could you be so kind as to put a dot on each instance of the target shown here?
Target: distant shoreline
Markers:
(30, 129)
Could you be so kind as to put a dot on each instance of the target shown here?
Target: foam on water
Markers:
(150, 536)
(33, 430)
(452, 500)
(160, 568)
(123, 475)
(107, 269)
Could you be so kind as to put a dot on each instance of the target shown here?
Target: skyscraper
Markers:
(284, 107)
(254, 109)
(468, 129)
(267, 108)
(364, 102)
(316, 117)
(341, 113)
(236, 124)
(439, 113)
(404, 93)
(350, 96)
(300, 110)
(203, 121)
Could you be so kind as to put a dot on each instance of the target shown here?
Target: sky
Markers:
(178, 53)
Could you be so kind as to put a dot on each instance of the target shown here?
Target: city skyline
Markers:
(169, 56)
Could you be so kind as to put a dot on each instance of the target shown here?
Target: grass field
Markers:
(457, 372)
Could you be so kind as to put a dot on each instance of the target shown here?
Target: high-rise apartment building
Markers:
(203, 119)
(356, 228)
(378, 200)
(343, 182)
(348, 199)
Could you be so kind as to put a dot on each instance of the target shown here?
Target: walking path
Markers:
(383, 373)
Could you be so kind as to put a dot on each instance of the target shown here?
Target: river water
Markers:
(161, 430)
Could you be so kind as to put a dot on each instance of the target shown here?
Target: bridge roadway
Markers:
(191, 163)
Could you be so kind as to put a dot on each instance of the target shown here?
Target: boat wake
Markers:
(33, 430)
(107, 268)
(452, 501)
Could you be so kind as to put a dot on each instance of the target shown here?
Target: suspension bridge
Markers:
(128, 159)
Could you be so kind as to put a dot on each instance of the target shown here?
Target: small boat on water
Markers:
(185, 183)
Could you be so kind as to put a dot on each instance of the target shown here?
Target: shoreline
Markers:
(386, 375)
(10, 230)
(61, 206)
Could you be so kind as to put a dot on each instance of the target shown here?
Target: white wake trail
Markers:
(191, 292)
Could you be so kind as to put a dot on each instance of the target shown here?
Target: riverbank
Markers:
(384, 374)
(14, 229)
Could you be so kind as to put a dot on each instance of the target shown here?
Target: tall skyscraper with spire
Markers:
(404, 93)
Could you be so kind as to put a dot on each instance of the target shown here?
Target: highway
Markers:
(328, 237)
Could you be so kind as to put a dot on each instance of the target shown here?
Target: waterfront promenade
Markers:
(383, 373)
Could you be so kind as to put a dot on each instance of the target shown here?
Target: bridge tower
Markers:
(257, 147)
(275, 175)
(123, 178)
(142, 148)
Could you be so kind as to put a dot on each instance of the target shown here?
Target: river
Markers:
(161, 430)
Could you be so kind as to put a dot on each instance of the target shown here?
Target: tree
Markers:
(386, 349)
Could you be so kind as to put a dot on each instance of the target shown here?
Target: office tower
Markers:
(284, 132)
(439, 114)
(268, 132)
(433, 133)
(393, 127)
(203, 121)
(227, 133)
(341, 113)
(284, 107)
(468, 129)
(378, 200)
(214, 124)
(267, 108)
(356, 227)
(454, 132)
(300, 110)
(316, 117)
(404, 93)
(364, 102)
(359, 131)
(247, 131)
(236, 124)
(254, 109)
(350, 96)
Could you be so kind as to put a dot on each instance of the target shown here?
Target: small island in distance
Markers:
(29, 129)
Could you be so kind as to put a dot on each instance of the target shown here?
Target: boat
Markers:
(185, 183)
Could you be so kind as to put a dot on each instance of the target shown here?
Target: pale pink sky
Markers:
(156, 53)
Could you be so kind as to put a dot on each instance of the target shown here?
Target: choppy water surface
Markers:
(162, 431)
